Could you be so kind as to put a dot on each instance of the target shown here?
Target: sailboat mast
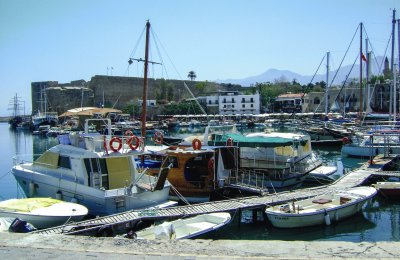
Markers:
(327, 83)
(361, 74)
(368, 94)
(392, 90)
(146, 62)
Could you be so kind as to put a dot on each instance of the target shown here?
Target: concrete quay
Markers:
(36, 246)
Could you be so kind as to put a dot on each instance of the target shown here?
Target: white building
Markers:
(149, 102)
(231, 103)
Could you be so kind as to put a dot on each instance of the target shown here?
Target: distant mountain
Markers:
(273, 75)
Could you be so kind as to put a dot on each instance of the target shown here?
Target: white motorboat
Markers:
(96, 171)
(320, 210)
(322, 174)
(370, 145)
(42, 212)
(185, 228)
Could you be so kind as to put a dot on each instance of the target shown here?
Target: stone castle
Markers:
(108, 91)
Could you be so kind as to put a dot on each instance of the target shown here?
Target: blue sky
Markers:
(65, 40)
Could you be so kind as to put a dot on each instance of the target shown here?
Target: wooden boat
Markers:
(388, 189)
(42, 212)
(186, 228)
(321, 209)
(195, 173)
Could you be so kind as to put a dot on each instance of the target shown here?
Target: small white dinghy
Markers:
(185, 228)
(322, 174)
(42, 212)
(320, 210)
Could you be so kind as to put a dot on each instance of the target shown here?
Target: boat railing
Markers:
(99, 143)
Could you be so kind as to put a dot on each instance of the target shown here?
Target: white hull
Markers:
(309, 213)
(186, 228)
(368, 151)
(48, 216)
(99, 202)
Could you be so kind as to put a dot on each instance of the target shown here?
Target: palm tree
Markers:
(192, 75)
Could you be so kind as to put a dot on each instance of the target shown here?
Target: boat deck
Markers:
(126, 220)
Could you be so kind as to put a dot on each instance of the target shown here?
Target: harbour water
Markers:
(380, 221)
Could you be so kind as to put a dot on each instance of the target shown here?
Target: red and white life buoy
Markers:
(117, 140)
(196, 144)
(158, 137)
(128, 133)
(346, 140)
(133, 142)
(229, 142)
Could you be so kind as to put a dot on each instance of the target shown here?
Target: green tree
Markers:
(201, 86)
(192, 75)
(170, 91)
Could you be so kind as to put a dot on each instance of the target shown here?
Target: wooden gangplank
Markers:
(124, 221)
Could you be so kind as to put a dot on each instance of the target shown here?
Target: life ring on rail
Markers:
(133, 142)
(128, 133)
(346, 140)
(158, 137)
(118, 140)
(196, 144)
(229, 142)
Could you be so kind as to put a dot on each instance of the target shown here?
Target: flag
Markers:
(363, 57)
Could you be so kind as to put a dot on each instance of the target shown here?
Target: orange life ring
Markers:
(229, 142)
(133, 139)
(119, 141)
(196, 144)
(158, 137)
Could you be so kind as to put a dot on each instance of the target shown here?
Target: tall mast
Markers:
(368, 93)
(361, 74)
(392, 90)
(146, 62)
(327, 84)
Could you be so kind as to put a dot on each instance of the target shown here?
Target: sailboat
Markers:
(44, 117)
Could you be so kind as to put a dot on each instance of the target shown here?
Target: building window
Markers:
(233, 100)
(209, 102)
(243, 100)
(316, 101)
(243, 105)
(251, 99)
(251, 105)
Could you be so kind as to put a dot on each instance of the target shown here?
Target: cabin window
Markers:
(64, 162)
(316, 101)
(174, 161)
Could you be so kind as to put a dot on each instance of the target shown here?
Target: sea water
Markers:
(379, 221)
